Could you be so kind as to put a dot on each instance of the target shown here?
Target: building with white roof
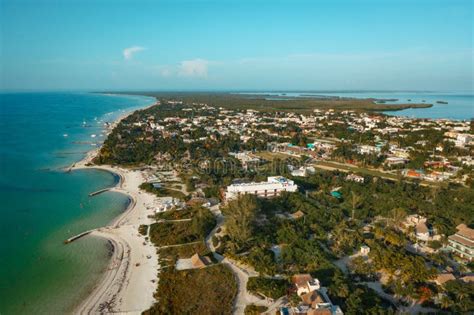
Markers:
(274, 186)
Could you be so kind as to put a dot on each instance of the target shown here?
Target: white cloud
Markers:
(130, 51)
(193, 68)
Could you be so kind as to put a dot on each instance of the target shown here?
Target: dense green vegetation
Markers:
(259, 102)
(253, 309)
(272, 288)
(261, 232)
(172, 233)
(446, 207)
(459, 296)
(254, 225)
(175, 214)
(199, 291)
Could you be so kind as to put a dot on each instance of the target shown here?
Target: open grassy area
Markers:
(328, 165)
(163, 192)
(270, 156)
(199, 291)
(355, 169)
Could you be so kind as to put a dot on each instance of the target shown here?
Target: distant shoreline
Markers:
(122, 278)
(269, 102)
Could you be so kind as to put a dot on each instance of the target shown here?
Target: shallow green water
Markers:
(42, 205)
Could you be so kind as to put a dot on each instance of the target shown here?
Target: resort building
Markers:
(462, 243)
(274, 186)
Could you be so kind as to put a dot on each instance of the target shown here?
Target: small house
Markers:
(305, 283)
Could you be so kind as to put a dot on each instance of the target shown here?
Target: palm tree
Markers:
(398, 214)
(446, 302)
(355, 201)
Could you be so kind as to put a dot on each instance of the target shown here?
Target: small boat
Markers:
(65, 135)
(93, 136)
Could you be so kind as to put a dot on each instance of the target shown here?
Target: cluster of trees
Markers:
(171, 233)
(355, 298)
(256, 225)
(211, 290)
(458, 296)
(444, 206)
(272, 288)
(253, 309)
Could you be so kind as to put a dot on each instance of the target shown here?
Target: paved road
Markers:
(241, 273)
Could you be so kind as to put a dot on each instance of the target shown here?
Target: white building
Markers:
(167, 203)
(245, 158)
(303, 171)
(272, 187)
(355, 178)
(462, 243)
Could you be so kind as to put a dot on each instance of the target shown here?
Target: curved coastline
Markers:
(130, 280)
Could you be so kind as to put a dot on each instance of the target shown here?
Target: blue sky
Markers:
(236, 45)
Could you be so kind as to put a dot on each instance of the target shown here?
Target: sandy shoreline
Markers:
(131, 278)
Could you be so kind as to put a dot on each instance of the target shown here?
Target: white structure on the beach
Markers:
(272, 187)
(167, 203)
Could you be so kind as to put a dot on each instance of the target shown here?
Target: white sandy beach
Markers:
(131, 278)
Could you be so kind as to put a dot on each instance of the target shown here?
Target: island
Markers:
(292, 206)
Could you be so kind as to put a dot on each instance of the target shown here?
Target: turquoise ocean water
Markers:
(41, 205)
